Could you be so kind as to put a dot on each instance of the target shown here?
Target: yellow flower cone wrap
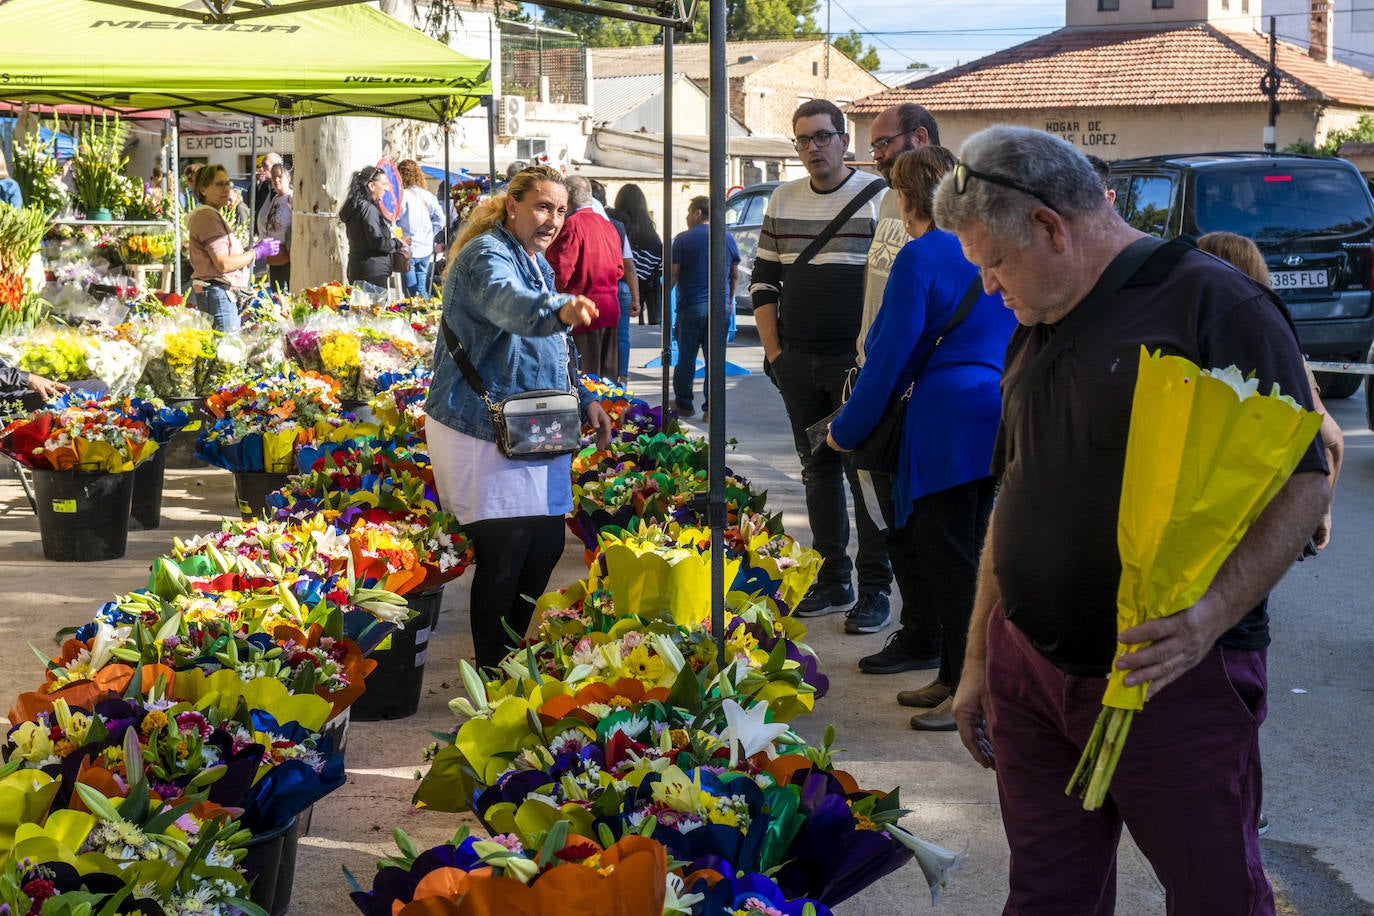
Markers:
(1201, 464)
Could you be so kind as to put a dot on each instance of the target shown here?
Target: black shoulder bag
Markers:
(532, 424)
(881, 451)
(1150, 255)
(866, 193)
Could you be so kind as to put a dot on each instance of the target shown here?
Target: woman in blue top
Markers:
(942, 493)
(500, 301)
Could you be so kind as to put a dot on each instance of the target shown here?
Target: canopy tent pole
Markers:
(665, 310)
(448, 182)
(175, 188)
(253, 179)
(718, 326)
(491, 145)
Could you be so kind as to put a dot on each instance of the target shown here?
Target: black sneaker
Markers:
(894, 659)
(820, 600)
(869, 614)
(684, 412)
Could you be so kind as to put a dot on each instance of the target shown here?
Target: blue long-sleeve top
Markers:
(951, 419)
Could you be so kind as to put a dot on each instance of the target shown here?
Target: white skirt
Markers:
(476, 482)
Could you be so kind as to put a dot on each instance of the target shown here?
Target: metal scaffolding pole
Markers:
(665, 325)
(718, 328)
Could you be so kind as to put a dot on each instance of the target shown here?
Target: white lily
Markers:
(937, 863)
(107, 639)
(668, 652)
(675, 902)
(1233, 377)
(749, 729)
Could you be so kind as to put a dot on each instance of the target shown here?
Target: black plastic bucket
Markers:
(251, 489)
(148, 479)
(270, 866)
(393, 687)
(83, 515)
(181, 450)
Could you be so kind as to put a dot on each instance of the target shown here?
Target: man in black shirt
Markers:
(808, 316)
(1030, 212)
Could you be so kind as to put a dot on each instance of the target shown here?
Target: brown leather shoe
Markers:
(927, 697)
(939, 719)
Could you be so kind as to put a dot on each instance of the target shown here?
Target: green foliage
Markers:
(98, 166)
(851, 45)
(918, 65)
(745, 20)
(1362, 132)
(38, 172)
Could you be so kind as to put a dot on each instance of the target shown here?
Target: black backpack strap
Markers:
(866, 193)
(1148, 260)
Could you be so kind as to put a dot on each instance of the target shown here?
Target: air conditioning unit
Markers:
(512, 120)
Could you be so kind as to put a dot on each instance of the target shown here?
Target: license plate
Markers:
(1298, 279)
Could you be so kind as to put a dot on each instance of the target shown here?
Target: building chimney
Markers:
(1320, 45)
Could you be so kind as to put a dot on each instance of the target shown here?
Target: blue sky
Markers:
(941, 32)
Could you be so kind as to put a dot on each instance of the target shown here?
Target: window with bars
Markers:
(527, 60)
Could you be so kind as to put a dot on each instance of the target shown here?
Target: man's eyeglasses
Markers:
(880, 145)
(820, 139)
(962, 173)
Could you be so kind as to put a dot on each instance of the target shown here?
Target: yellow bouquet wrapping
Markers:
(1205, 454)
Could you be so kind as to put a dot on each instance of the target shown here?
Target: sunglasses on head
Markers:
(962, 173)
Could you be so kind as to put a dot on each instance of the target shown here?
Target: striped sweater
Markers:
(820, 305)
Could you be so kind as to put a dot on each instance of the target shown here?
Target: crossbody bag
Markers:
(533, 424)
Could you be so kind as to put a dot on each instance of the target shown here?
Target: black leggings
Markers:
(512, 558)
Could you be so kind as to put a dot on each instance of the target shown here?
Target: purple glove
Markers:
(266, 248)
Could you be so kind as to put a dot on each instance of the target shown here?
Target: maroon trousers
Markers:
(1188, 784)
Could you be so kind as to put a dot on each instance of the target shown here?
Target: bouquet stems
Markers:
(1097, 766)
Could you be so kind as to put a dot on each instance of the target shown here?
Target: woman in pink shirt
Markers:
(220, 267)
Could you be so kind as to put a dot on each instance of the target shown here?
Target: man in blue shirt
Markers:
(692, 279)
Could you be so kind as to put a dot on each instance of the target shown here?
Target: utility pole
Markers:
(1269, 85)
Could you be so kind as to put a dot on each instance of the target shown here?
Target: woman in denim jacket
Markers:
(500, 301)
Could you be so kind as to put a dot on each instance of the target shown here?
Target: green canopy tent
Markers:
(341, 60)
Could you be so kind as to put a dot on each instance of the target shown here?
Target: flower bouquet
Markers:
(82, 438)
(399, 405)
(137, 855)
(1205, 454)
(565, 874)
(98, 166)
(38, 170)
(333, 296)
(181, 361)
(55, 353)
(21, 234)
(146, 249)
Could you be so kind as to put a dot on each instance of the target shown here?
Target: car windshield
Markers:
(1282, 201)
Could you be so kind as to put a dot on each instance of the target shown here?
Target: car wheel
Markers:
(1337, 385)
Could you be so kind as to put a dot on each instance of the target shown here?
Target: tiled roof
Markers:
(741, 58)
(1121, 68)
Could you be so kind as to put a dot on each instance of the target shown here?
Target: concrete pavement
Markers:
(1317, 749)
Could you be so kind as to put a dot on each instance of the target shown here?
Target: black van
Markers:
(1312, 218)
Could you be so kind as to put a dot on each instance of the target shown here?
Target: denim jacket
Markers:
(503, 307)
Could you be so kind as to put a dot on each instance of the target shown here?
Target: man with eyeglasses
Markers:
(1089, 291)
(808, 312)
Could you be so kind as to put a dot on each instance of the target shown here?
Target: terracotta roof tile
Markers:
(693, 59)
(1122, 68)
